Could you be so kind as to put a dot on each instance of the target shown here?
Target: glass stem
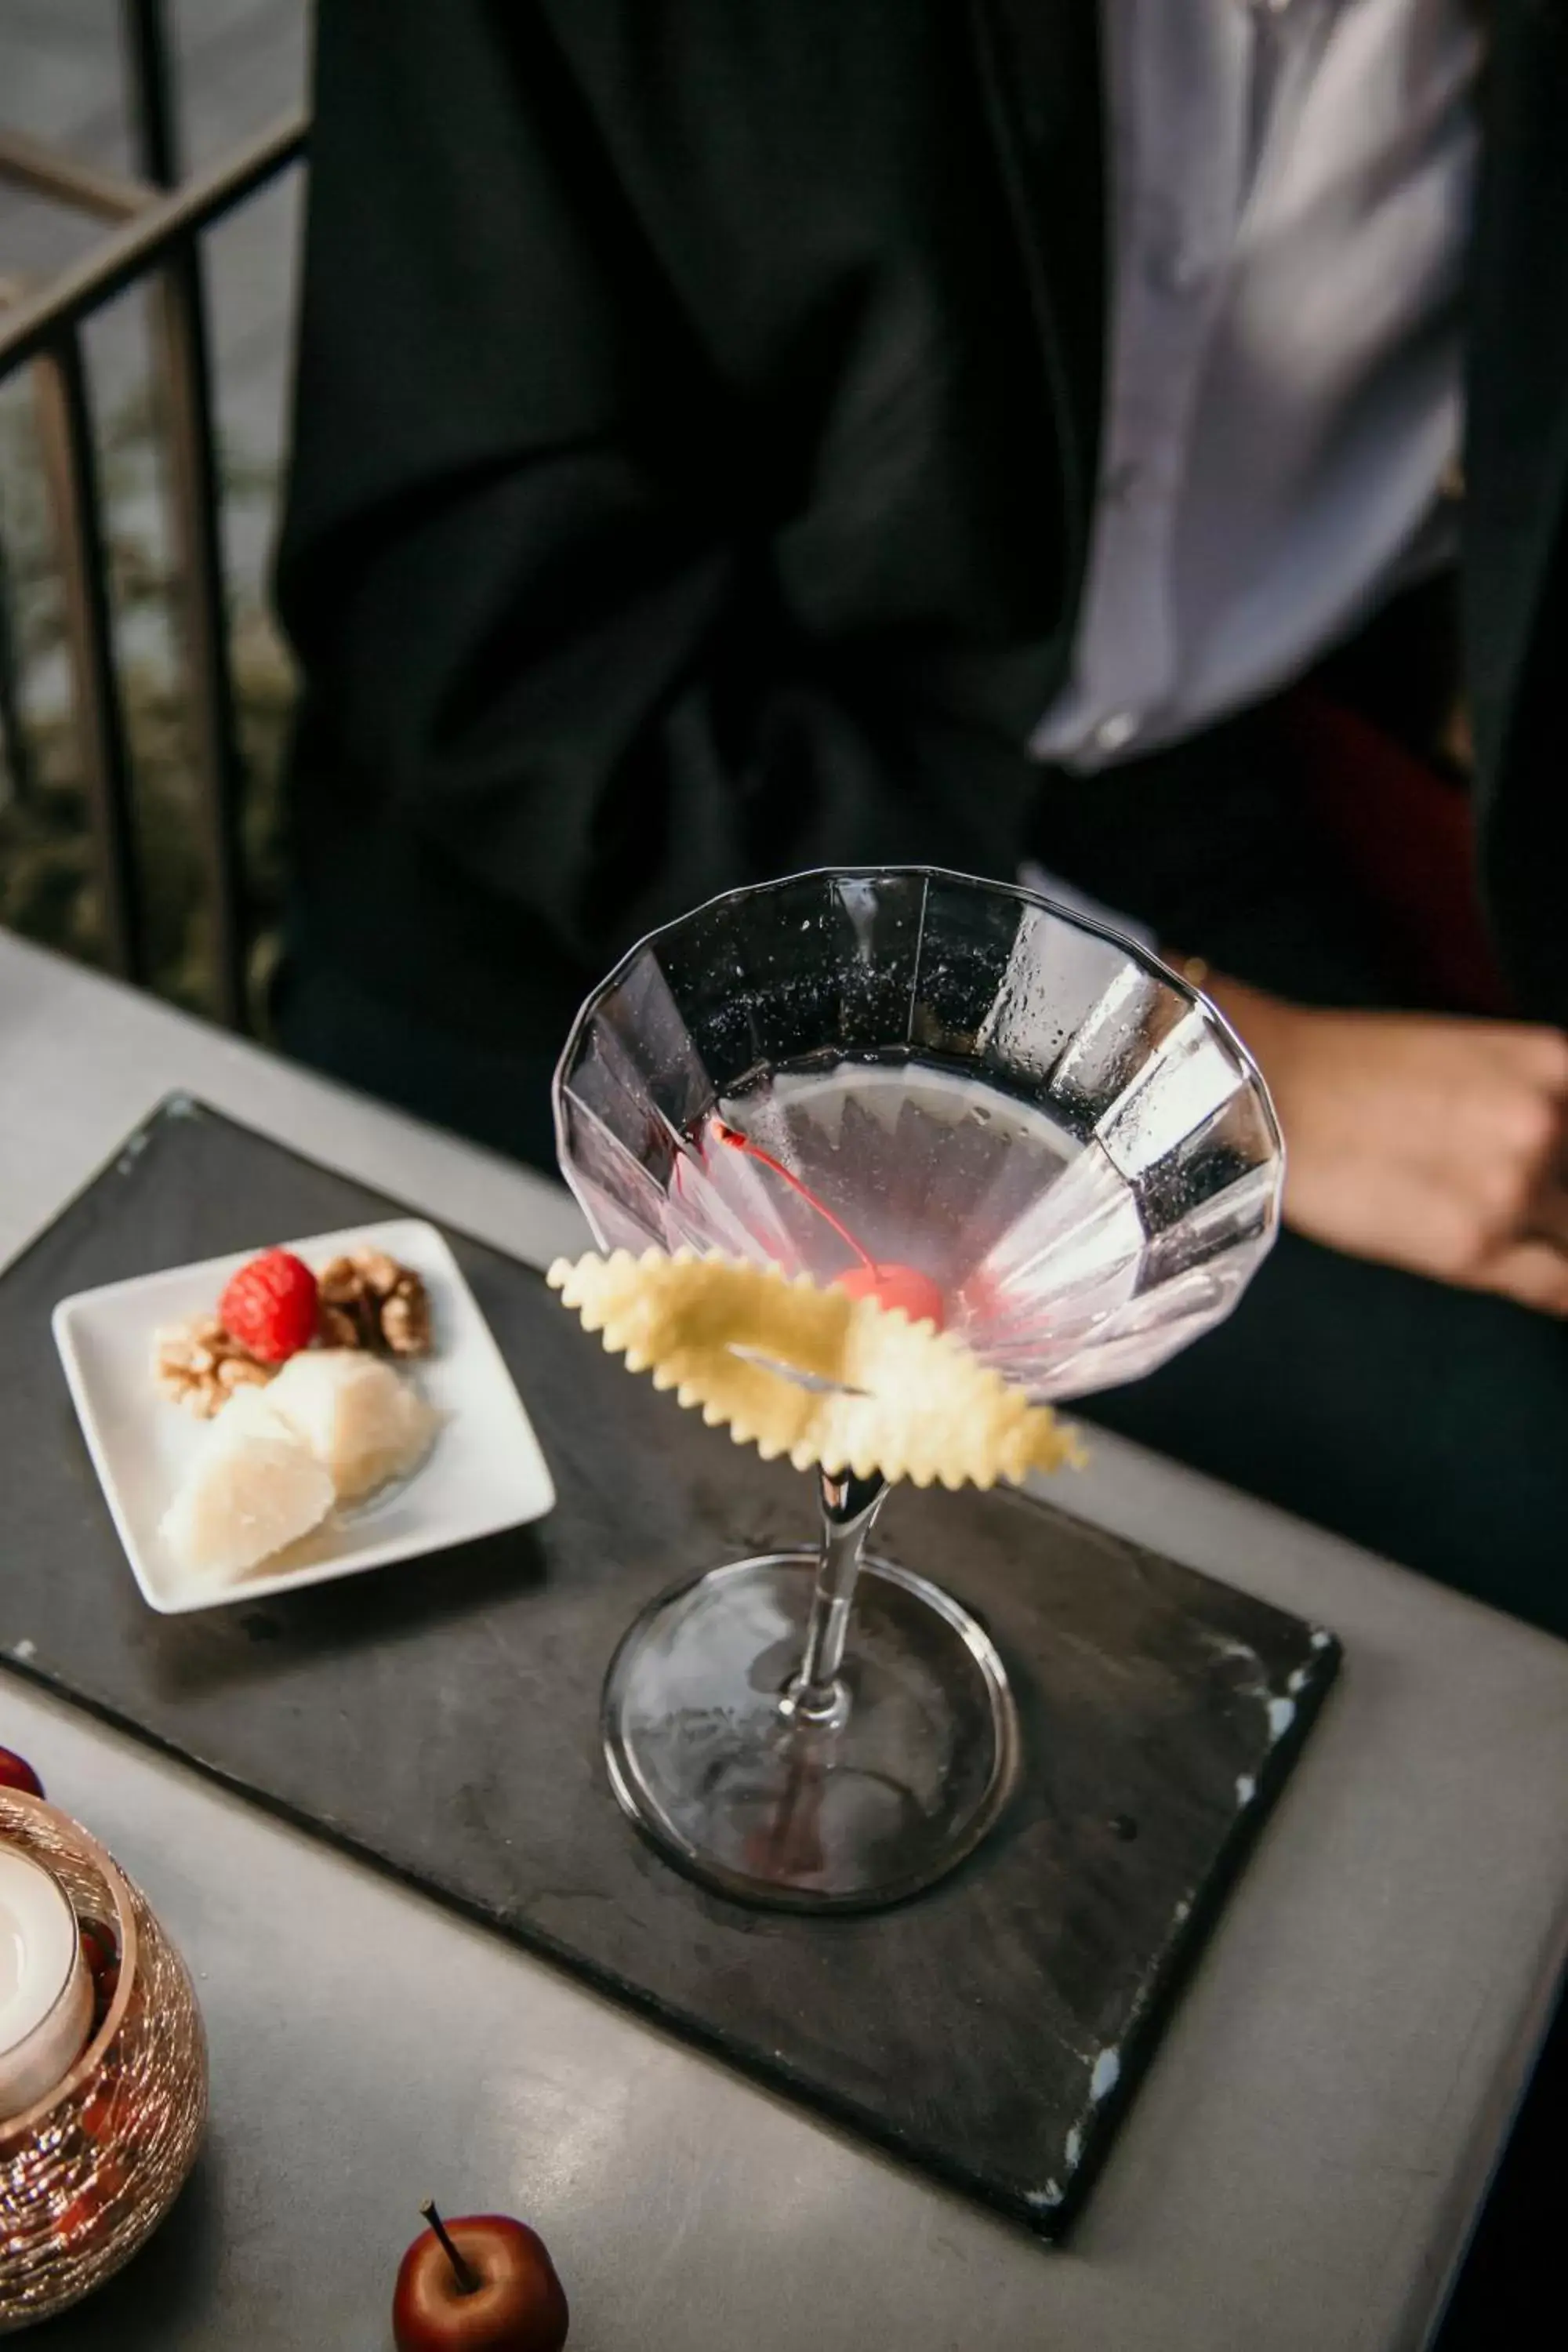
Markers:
(849, 1504)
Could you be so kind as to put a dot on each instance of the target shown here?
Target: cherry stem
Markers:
(738, 1142)
(467, 2278)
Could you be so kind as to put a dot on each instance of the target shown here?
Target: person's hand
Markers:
(1429, 1142)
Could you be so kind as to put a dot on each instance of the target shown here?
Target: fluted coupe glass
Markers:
(1048, 1133)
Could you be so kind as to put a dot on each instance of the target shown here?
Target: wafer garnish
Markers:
(813, 1373)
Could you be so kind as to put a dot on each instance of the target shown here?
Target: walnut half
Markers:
(198, 1366)
(368, 1300)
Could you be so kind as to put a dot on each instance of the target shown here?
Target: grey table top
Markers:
(1297, 2172)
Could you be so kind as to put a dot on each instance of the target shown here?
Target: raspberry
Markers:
(269, 1307)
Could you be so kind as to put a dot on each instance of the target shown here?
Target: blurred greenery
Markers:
(47, 889)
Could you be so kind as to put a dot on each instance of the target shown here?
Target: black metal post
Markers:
(15, 753)
(70, 461)
(179, 319)
(196, 492)
(151, 92)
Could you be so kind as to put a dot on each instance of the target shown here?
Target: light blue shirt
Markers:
(1290, 196)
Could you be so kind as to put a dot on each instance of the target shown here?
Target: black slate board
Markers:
(441, 1717)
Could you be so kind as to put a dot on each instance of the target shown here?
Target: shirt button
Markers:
(1115, 731)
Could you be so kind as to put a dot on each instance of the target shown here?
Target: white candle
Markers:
(45, 1990)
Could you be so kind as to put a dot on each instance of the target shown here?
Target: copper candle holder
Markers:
(87, 2174)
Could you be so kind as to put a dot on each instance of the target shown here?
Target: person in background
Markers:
(1019, 434)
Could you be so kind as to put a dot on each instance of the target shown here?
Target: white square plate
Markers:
(485, 1471)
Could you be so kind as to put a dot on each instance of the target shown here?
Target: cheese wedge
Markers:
(248, 1493)
(353, 1413)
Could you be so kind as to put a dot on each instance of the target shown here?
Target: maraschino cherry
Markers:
(904, 1290)
(484, 2283)
(16, 1773)
(901, 1288)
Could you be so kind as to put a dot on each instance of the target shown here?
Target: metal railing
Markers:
(160, 220)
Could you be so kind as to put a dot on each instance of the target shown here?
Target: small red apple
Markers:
(481, 2284)
(16, 1773)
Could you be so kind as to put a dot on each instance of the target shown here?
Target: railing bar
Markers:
(71, 463)
(152, 89)
(125, 255)
(28, 164)
(179, 319)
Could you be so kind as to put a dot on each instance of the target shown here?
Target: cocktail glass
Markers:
(947, 1090)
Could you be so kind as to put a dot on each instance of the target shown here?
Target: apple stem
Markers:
(467, 2278)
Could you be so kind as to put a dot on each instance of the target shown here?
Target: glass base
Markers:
(856, 1809)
